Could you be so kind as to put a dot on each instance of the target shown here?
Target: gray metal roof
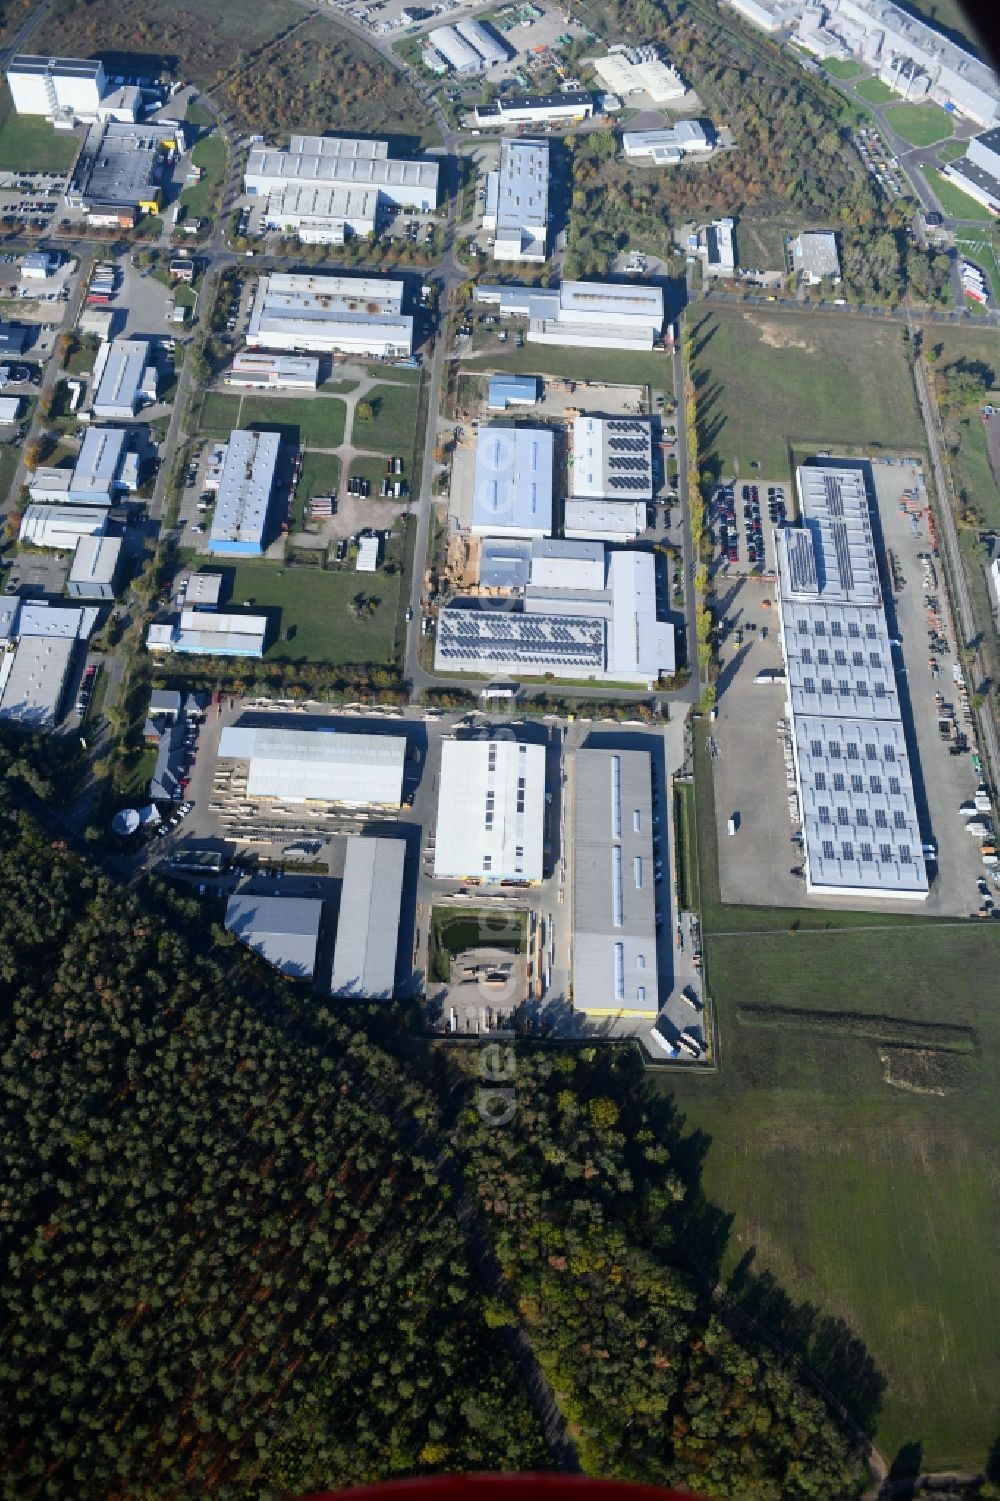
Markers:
(512, 489)
(614, 908)
(34, 687)
(504, 562)
(283, 930)
(245, 488)
(364, 960)
(318, 765)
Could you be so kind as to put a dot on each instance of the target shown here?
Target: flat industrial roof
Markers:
(577, 566)
(119, 162)
(512, 489)
(491, 810)
(504, 562)
(70, 67)
(120, 374)
(203, 589)
(614, 907)
(364, 959)
(34, 688)
(99, 461)
(523, 195)
(95, 560)
(815, 253)
(245, 488)
(318, 765)
(342, 162)
(612, 458)
(612, 520)
(316, 309)
(283, 930)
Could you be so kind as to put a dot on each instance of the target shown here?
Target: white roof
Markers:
(203, 589)
(70, 622)
(512, 490)
(364, 960)
(597, 302)
(318, 765)
(95, 560)
(61, 526)
(491, 810)
(455, 49)
(275, 368)
(340, 162)
(367, 561)
(119, 376)
(283, 930)
(612, 458)
(657, 79)
(638, 645)
(815, 253)
(34, 686)
(293, 310)
(245, 487)
(614, 906)
(611, 520)
(567, 565)
(668, 144)
(522, 209)
(99, 462)
(9, 408)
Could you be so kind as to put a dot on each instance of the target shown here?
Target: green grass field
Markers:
(765, 380)
(842, 67)
(454, 930)
(393, 429)
(872, 1202)
(953, 201)
(29, 143)
(875, 91)
(920, 124)
(951, 151)
(614, 366)
(199, 200)
(317, 604)
(318, 422)
(320, 476)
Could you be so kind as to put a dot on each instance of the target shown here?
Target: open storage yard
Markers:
(849, 1147)
(766, 381)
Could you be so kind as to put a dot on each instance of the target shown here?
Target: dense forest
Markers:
(230, 1226)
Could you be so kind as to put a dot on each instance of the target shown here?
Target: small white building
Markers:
(39, 265)
(630, 70)
(367, 561)
(667, 146)
(10, 409)
(814, 256)
(274, 372)
(717, 248)
(605, 520)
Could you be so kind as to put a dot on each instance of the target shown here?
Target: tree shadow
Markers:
(901, 1481)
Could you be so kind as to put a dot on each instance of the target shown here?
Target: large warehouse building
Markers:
(978, 172)
(859, 818)
(668, 145)
(206, 633)
(71, 87)
(590, 314)
(491, 811)
(319, 765)
(364, 959)
(274, 372)
(124, 379)
(246, 484)
(324, 187)
(614, 905)
(350, 314)
(469, 47)
(61, 527)
(97, 477)
(585, 613)
(512, 489)
(517, 202)
(606, 520)
(612, 458)
(120, 172)
(571, 108)
(284, 930)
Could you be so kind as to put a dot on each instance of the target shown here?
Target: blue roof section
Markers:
(508, 388)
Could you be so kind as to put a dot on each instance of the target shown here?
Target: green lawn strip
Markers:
(895, 1030)
(767, 380)
(396, 375)
(842, 67)
(8, 467)
(320, 476)
(29, 143)
(393, 429)
(199, 114)
(199, 200)
(875, 91)
(953, 201)
(317, 422)
(952, 151)
(685, 843)
(318, 605)
(137, 772)
(612, 366)
(338, 387)
(919, 124)
(454, 931)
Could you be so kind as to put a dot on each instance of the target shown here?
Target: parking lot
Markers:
(744, 517)
(879, 160)
(752, 779)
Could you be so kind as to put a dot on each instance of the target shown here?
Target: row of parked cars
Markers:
(86, 689)
(174, 820)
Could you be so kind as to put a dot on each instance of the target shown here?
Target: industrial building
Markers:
(97, 477)
(246, 484)
(33, 682)
(39, 265)
(579, 617)
(614, 903)
(351, 314)
(612, 458)
(639, 70)
(120, 171)
(323, 188)
(491, 811)
(10, 410)
(124, 379)
(470, 47)
(504, 564)
(668, 145)
(284, 930)
(569, 108)
(814, 256)
(206, 633)
(61, 527)
(855, 793)
(517, 202)
(511, 390)
(274, 372)
(318, 765)
(57, 87)
(371, 894)
(512, 489)
(978, 172)
(771, 16)
(718, 249)
(203, 591)
(96, 568)
(591, 315)
(606, 520)
(13, 338)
